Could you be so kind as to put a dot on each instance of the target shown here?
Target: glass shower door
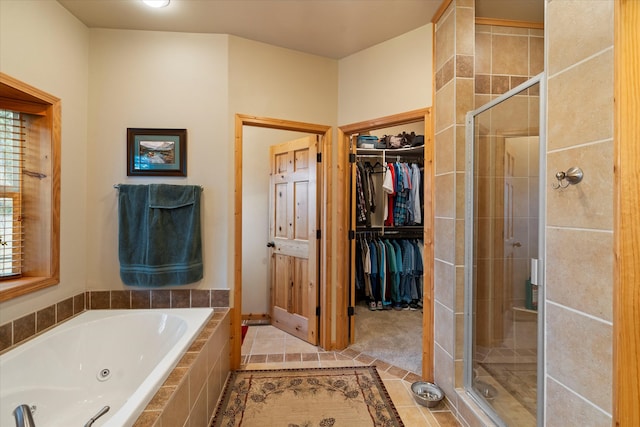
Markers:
(502, 314)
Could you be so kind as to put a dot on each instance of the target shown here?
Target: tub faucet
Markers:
(100, 413)
(23, 416)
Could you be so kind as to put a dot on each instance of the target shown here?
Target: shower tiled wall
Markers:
(454, 65)
(579, 273)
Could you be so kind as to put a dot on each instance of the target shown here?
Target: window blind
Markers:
(12, 146)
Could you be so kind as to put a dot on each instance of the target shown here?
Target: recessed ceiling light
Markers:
(156, 3)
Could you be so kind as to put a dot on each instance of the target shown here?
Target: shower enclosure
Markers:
(503, 245)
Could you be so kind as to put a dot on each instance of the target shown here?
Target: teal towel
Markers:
(159, 239)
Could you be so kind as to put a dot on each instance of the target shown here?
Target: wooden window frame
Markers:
(41, 204)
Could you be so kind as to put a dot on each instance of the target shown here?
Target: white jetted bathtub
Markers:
(115, 358)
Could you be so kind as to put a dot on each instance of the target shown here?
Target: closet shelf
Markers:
(419, 150)
(524, 310)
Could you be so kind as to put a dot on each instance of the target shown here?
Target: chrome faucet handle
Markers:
(23, 416)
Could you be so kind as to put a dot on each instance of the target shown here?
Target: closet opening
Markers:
(388, 249)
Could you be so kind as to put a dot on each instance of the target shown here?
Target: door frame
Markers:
(626, 229)
(344, 273)
(323, 186)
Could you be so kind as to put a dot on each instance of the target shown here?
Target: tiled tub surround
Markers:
(17, 331)
(190, 394)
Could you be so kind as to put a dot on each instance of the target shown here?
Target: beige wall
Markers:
(152, 79)
(44, 46)
(579, 281)
(389, 78)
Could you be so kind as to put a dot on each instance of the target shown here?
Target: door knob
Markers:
(271, 245)
(516, 244)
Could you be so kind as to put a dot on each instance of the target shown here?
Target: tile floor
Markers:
(266, 347)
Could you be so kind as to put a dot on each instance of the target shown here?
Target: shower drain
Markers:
(104, 374)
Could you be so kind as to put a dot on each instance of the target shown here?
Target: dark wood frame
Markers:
(179, 136)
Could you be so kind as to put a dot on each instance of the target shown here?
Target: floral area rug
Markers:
(320, 397)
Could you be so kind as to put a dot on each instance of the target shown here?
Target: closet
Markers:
(386, 232)
(388, 223)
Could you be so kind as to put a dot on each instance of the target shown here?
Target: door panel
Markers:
(293, 219)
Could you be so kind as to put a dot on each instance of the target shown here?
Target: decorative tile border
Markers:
(19, 330)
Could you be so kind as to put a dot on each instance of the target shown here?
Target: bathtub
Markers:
(115, 358)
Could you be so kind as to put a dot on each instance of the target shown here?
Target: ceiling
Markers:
(329, 28)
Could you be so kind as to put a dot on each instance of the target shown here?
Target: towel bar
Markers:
(116, 186)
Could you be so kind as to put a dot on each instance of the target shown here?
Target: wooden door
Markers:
(293, 239)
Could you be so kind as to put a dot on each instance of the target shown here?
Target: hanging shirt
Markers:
(361, 209)
(389, 188)
(415, 191)
(402, 195)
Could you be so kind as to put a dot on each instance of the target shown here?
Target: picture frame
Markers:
(156, 152)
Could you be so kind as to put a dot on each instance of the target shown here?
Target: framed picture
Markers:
(156, 152)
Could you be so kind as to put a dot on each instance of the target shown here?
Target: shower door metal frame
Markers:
(469, 249)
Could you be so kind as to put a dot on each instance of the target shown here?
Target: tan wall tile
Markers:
(464, 66)
(536, 55)
(459, 334)
(199, 416)
(177, 410)
(444, 197)
(510, 55)
(459, 241)
(579, 354)
(576, 31)
(460, 148)
(499, 29)
(465, 30)
(483, 53)
(445, 73)
(464, 99)
(444, 284)
(581, 279)
(460, 187)
(197, 376)
(511, 116)
(444, 372)
(482, 86)
(443, 240)
(445, 39)
(444, 151)
(589, 203)
(214, 389)
(500, 85)
(580, 103)
(444, 325)
(563, 405)
(445, 107)
(459, 288)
